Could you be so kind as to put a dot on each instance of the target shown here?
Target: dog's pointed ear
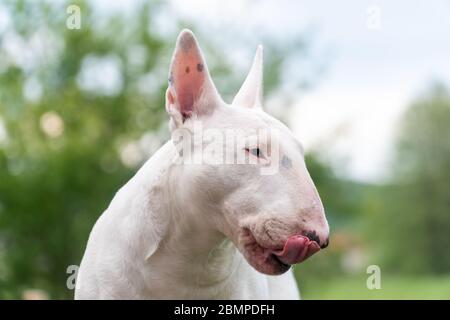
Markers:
(191, 90)
(250, 94)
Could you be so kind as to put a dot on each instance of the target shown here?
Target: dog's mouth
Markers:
(276, 260)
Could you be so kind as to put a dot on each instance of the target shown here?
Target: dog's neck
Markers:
(190, 254)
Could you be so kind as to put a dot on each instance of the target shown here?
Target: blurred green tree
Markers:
(61, 162)
(411, 225)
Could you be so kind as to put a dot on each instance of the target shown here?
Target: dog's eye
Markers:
(255, 151)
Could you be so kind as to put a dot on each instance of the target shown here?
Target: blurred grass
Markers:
(392, 287)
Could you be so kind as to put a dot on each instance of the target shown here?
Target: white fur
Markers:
(176, 230)
(144, 246)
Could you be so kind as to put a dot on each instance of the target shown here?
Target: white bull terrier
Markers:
(209, 230)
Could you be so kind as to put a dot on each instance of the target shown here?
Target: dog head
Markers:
(243, 171)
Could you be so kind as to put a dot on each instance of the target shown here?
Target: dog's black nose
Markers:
(312, 235)
(325, 244)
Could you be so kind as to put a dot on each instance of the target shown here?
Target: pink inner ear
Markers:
(187, 76)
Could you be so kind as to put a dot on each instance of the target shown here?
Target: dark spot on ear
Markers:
(186, 114)
(286, 162)
(199, 67)
(187, 69)
(171, 79)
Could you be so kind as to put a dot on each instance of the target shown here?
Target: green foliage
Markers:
(411, 217)
(403, 226)
(54, 185)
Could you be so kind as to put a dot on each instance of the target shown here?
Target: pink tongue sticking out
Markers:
(297, 249)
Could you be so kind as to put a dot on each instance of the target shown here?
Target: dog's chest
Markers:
(246, 284)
